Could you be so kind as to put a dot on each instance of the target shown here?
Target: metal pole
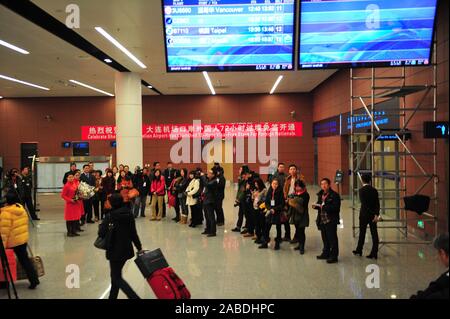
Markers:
(435, 184)
(352, 154)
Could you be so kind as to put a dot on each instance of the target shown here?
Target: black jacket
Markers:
(437, 289)
(139, 181)
(16, 185)
(123, 234)
(370, 202)
(180, 187)
(88, 180)
(221, 187)
(301, 219)
(210, 191)
(278, 207)
(332, 206)
(27, 185)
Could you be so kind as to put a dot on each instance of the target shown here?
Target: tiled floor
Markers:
(226, 266)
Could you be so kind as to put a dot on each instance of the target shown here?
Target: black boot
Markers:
(302, 249)
(73, 226)
(69, 228)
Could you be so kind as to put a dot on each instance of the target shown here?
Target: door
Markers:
(27, 150)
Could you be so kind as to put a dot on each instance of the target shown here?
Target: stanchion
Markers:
(7, 272)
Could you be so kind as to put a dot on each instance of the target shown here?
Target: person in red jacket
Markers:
(158, 190)
(72, 209)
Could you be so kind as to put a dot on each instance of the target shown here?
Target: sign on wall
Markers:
(205, 131)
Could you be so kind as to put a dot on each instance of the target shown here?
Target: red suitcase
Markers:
(166, 284)
(12, 266)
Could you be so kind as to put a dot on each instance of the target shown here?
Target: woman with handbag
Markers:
(124, 186)
(275, 214)
(14, 233)
(120, 228)
(193, 193)
(298, 212)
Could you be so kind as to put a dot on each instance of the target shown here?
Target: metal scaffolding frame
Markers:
(402, 152)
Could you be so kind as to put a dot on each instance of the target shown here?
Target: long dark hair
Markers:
(158, 178)
(260, 184)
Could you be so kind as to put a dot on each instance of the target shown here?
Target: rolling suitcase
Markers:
(166, 284)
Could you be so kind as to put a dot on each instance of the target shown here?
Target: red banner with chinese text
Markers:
(204, 131)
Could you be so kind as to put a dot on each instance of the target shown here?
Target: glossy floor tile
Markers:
(226, 266)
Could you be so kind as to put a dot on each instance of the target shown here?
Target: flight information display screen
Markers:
(229, 35)
(361, 33)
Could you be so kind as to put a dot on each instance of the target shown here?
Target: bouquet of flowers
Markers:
(85, 191)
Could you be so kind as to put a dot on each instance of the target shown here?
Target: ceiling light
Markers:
(150, 87)
(13, 47)
(120, 46)
(108, 60)
(91, 87)
(208, 80)
(1, 97)
(23, 82)
(276, 84)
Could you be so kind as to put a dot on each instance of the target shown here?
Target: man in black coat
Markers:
(221, 182)
(210, 196)
(73, 168)
(89, 179)
(141, 182)
(328, 217)
(438, 289)
(27, 186)
(368, 215)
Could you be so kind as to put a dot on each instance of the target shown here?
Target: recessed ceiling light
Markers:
(276, 84)
(150, 87)
(91, 87)
(208, 80)
(13, 47)
(108, 60)
(120, 46)
(1, 97)
(23, 82)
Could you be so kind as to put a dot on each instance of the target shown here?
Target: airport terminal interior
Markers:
(193, 107)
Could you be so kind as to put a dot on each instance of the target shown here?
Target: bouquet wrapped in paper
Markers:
(85, 191)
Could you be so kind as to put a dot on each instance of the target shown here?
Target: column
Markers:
(129, 149)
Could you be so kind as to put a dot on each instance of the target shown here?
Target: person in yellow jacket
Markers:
(14, 233)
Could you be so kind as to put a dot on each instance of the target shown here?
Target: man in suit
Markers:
(438, 289)
(368, 215)
(328, 217)
(89, 179)
(73, 168)
(27, 185)
(218, 170)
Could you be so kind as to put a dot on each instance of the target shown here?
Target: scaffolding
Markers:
(368, 154)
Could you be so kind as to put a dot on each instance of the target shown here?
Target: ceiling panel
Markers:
(137, 24)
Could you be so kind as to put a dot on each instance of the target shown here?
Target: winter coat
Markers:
(158, 187)
(191, 190)
(278, 196)
(298, 209)
(72, 210)
(124, 234)
(13, 225)
(332, 206)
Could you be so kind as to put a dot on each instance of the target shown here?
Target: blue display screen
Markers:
(360, 33)
(229, 35)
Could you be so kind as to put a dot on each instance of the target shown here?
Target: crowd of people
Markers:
(197, 198)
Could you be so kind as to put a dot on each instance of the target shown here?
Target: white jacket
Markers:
(191, 190)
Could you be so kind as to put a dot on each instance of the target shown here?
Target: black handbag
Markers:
(105, 242)
(150, 261)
